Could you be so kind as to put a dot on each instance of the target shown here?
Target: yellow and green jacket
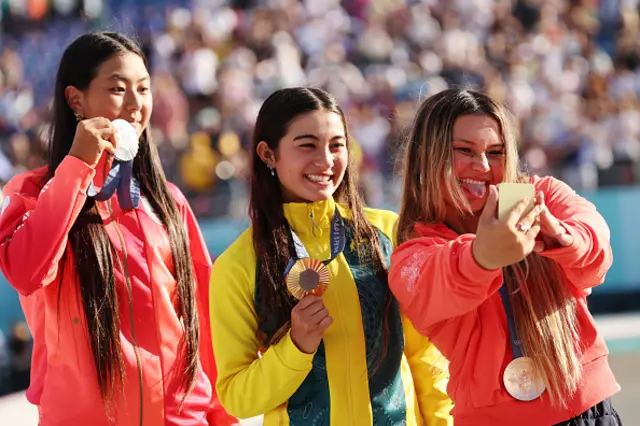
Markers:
(339, 384)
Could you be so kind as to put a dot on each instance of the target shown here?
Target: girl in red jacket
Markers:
(503, 300)
(109, 262)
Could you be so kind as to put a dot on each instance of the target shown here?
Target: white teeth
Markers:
(318, 178)
(471, 181)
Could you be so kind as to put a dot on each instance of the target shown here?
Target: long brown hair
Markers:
(270, 233)
(93, 253)
(543, 306)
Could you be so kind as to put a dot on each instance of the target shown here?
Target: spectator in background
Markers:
(5, 370)
(568, 69)
(20, 344)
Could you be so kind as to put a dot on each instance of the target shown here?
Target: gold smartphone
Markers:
(510, 194)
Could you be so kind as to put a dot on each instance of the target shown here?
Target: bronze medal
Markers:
(521, 380)
(307, 276)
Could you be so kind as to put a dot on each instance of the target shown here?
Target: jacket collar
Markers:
(310, 218)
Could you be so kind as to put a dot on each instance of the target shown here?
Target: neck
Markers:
(462, 224)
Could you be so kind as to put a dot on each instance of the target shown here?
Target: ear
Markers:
(74, 98)
(266, 154)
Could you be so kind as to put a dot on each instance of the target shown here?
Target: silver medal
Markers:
(126, 140)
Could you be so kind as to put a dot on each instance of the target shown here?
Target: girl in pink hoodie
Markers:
(114, 288)
(504, 300)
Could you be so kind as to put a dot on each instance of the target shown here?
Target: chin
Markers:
(320, 196)
(477, 206)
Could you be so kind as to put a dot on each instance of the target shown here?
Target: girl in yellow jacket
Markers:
(304, 327)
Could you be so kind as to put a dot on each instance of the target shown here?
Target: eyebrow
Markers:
(495, 145)
(315, 138)
(118, 77)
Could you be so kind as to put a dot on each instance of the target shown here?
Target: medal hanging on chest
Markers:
(520, 378)
(305, 275)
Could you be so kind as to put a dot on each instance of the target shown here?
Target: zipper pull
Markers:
(314, 224)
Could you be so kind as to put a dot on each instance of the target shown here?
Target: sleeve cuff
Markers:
(291, 356)
(471, 269)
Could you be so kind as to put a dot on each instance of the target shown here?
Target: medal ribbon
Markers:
(513, 334)
(120, 177)
(338, 241)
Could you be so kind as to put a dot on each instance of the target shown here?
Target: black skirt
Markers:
(602, 414)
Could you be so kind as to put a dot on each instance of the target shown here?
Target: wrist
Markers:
(301, 348)
(476, 252)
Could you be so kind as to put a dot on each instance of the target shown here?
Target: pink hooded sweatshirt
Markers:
(34, 225)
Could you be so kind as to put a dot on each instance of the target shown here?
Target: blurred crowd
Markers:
(567, 69)
(15, 359)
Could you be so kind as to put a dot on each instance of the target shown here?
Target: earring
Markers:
(273, 172)
(79, 116)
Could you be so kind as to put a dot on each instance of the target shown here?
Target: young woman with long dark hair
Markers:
(114, 289)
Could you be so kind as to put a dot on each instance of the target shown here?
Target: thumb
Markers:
(490, 207)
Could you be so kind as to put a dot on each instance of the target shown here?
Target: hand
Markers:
(553, 234)
(93, 136)
(309, 320)
(502, 243)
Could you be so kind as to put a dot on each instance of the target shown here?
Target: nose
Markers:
(133, 101)
(325, 158)
(481, 163)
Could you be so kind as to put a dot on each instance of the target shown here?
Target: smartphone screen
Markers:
(510, 194)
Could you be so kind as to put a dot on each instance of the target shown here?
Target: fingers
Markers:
(107, 146)
(325, 323)
(319, 316)
(490, 207)
(550, 225)
(107, 134)
(526, 222)
(314, 308)
(516, 213)
(565, 240)
(306, 301)
(534, 231)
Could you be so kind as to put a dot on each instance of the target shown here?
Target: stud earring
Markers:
(79, 116)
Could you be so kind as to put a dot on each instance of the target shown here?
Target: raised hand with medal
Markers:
(307, 279)
(93, 137)
(120, 169)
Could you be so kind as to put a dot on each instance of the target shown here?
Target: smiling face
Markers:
(478, 157)
(311, 158)
(121, 89)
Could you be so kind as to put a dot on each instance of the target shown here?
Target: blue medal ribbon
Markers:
(120, 178)
(513, 334)
(338, 241)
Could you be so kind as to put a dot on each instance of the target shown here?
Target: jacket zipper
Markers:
(125, 270)
(315, 226)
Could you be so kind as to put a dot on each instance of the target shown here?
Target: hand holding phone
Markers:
(507, 239)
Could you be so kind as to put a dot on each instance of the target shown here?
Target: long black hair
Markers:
(270, 232)
(90, 244)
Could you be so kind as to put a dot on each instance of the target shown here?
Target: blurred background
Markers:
(568, 69)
